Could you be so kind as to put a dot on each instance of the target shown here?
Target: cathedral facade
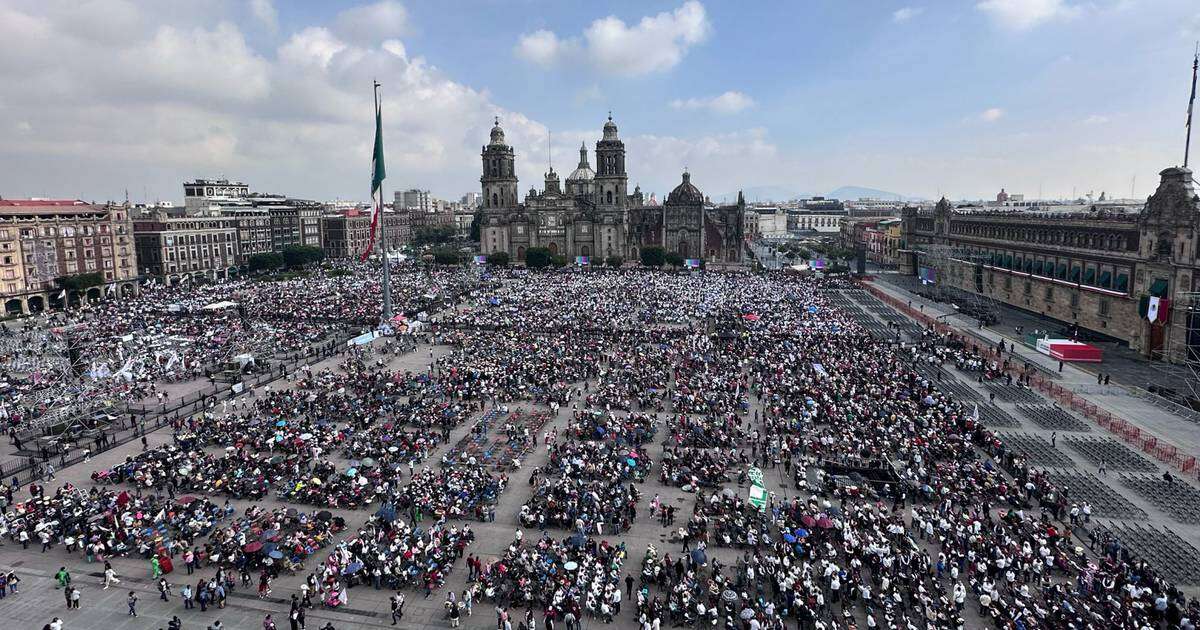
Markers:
(592, 213)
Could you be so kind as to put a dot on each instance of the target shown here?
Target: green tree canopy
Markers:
(476, 225)
(538, 257)
(653, 256)
(265, 261)
(499, 259)
(80, 281)
(300, 255)
(447, 256)
(433, 235)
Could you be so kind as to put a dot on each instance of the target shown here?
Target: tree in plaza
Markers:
(653, 256)
(498, 259)
(300, 255)
(447, 256)
(614, 261)
(266, 261)
(476, 225)
(433, 235)
(538, 257)
(673, 259)
(80, 281)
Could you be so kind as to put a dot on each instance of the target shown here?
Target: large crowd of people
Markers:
(900, 509)
(118, 350)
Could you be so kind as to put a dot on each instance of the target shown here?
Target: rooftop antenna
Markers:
(1187, 145)
(549, 155)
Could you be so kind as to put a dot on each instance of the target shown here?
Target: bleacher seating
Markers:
(1171, 555)
(1114, 454)
(1176, 498)
(1036, 450)
(1052, 417)
(1013, 393)
(1082, 486)
(993, 416)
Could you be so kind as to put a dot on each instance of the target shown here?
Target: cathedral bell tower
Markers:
(612, 182)
(499, 178)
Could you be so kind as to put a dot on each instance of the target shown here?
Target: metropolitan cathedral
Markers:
(593, 214)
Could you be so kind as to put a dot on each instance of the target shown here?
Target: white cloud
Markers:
(189, 98)
(991, 114)
(1022, 15)
(654, 44)
(544, 48)
(372, 22)
(589, 94)
(264, 11)
(905, 14)
(1096, 119)
(728, 103)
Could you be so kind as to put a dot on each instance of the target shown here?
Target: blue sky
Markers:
(920, 98)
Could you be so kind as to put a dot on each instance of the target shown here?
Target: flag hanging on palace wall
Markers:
(1157, 309)
(377, 175)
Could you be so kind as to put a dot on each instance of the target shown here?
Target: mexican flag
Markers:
(1157, 309)
(377, 175)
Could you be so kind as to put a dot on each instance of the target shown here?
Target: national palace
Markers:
(1098, 269)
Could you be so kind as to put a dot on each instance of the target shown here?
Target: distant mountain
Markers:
(780, 194)
(858, 192)
(775, 194)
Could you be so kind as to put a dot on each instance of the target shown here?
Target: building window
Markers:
(1049, 294)
(1008, 283)
(1074, 299)
(1104, 307)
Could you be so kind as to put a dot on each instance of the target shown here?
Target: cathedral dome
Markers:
(686, 192)
(497, 133)
(583, 172)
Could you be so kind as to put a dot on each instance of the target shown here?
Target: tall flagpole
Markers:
(1187, 147)
(383, 244)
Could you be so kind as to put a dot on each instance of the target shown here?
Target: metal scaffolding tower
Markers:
(942, 267)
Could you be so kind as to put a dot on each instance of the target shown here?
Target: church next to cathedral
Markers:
(592, 213)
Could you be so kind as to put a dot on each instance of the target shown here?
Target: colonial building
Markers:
(43, 239)
(293, 221)
(1097, 268)
(592, 212)
(346, 234)
(174, 246)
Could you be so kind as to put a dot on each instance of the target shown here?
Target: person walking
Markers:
(110, 575)
(62, 579)
(185, 593)
(74, 603)
(132, 602)
(155, 568)
(397, 607)
(164, 589)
